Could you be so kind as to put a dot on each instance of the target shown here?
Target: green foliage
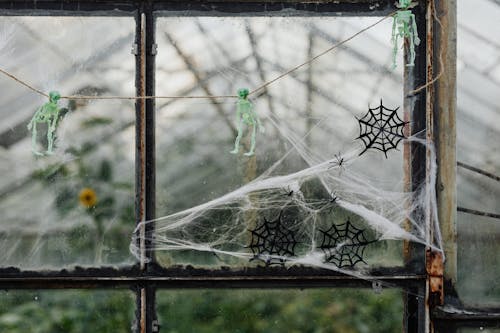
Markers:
(50, 173)
(66, 200)
(311, 311)
(96, 121)
(66, 311)
(105, 172)
(202, 311)
(104, 209)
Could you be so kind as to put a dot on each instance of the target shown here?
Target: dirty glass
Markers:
(313, 110)
(68, 311)
(281, 310)
(75, 206)
(478, 134)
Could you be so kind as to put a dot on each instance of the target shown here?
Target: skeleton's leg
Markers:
(33, 136)
(394, 40)
(33, 139)
(411, 63)
(252, 145)
(414, 29)
(50, 134)
(395, 51)
(238, 138)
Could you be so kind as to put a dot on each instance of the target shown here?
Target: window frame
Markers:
(146, 277)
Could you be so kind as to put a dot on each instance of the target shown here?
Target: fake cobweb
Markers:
(327, 214)
(289, 204)
(381, 128)
(270, 240)
(344, 245)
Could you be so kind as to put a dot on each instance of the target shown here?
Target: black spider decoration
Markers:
(381, 128)
(333, 198)
(339, 162)
(271, 238)
(344, 245)
(288, 192)
(331, 202)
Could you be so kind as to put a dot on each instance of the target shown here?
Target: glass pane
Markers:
(309, 117)
(312, 310)
(74, 206)
(478, 122)
(66, 311)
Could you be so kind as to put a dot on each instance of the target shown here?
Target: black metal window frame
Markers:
(145, 278)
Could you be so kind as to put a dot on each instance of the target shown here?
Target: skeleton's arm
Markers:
(394, 20)
(35, 117)
(414, 30)
(257, 120)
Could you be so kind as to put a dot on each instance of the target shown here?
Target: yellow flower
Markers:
(87, 197)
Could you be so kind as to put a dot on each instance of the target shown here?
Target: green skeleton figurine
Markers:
(50, 114)
(404, 26)
(246, 116)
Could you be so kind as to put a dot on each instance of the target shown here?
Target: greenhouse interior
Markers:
(250, 166)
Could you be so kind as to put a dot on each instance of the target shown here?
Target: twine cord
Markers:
(259, 88)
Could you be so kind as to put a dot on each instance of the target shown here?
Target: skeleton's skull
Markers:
(54, 96)
(404, 3)
(243, 93)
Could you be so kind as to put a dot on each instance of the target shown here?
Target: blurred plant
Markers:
(86, 185)
(88, 197)
(66, 311)
(306, 311)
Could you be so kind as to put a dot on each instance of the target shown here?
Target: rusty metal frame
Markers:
(424, 270)
(197, 8)
(441, 273)
(145, 277)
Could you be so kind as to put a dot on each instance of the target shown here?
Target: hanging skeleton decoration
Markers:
(246, 116)
(50, 114)
(404, 26)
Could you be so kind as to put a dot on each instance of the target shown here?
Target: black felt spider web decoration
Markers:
(344, 245)
(270, 239)
(381, 128)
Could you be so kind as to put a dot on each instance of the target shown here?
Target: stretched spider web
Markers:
(344, 245)
(381, 128)
(271, 242)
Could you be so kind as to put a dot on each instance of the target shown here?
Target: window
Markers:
(143, 199)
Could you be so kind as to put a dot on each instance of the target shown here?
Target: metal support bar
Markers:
(140, 139)
(150, 152)
(417, 315)
(145, 160)
(445, 131)
(198, 8)
(410, 284)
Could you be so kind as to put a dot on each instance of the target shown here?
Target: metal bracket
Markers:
(155, 326)
(135, 49)
(435, 270)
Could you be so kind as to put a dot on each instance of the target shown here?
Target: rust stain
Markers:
(143, 311)
(435, 270)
